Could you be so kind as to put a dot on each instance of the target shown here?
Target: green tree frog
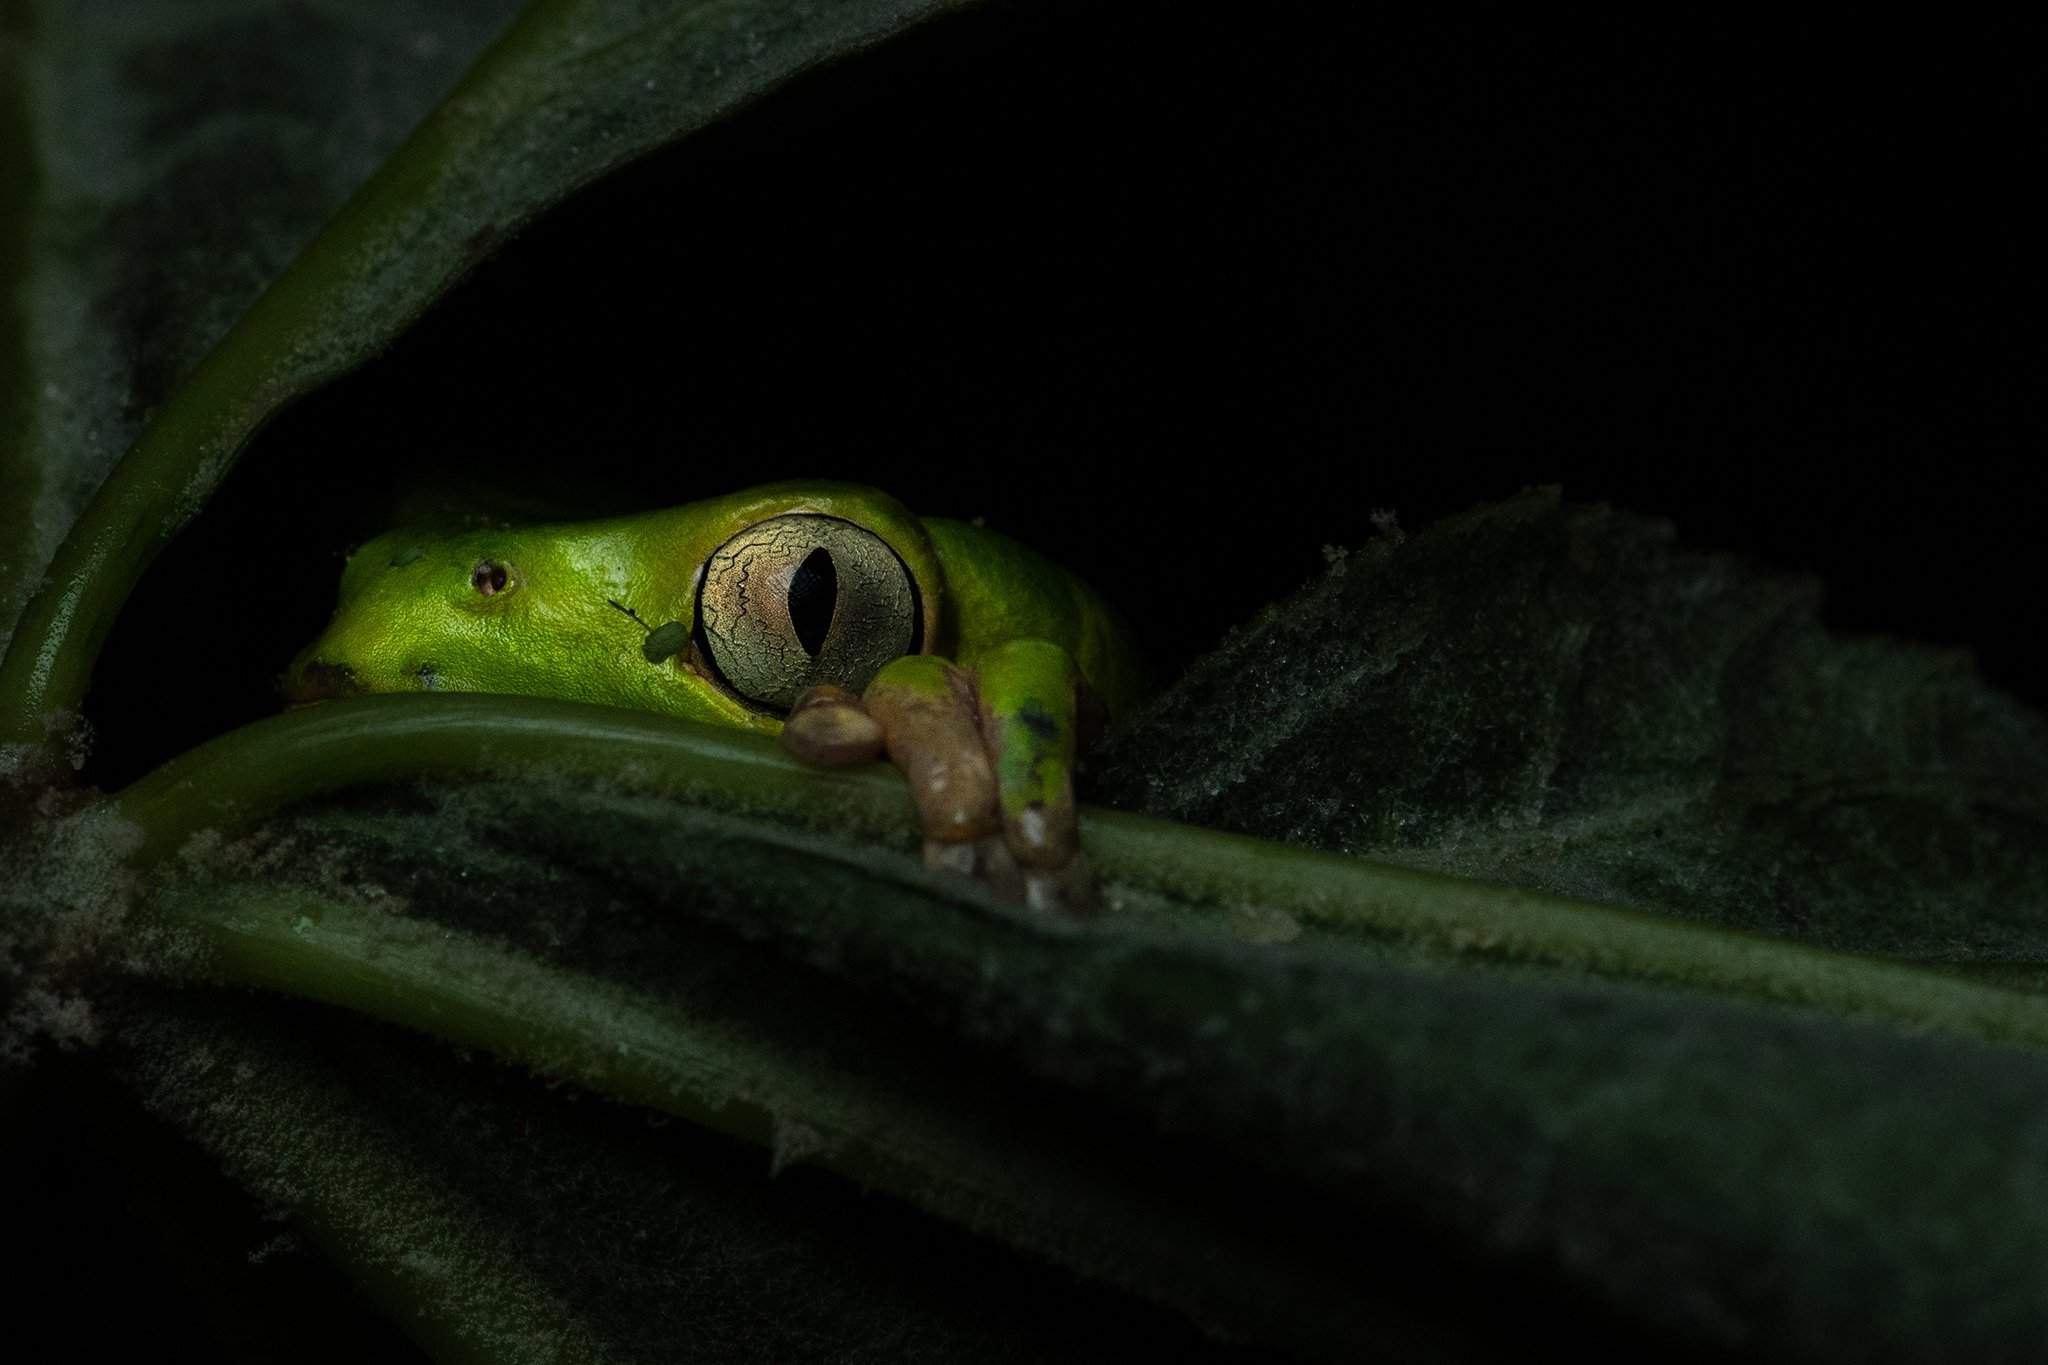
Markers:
(825, 612)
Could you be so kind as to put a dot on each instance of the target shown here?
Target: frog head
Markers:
(721, 610)
(556, 611)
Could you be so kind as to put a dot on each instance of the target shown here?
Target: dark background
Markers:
(1179, 300)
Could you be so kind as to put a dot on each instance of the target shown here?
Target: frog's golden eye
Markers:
(488, 577)
(799, 600)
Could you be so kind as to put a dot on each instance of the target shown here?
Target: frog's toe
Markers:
(829, 728)
(1030, 701)
(1042, 832)
(926, 710)
(989, 756)
(986, 859)
(1070, 888)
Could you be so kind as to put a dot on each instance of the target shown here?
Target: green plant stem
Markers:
(241, 777)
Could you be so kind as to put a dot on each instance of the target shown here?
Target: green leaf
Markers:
(1327, 1040)
(500, 1222)
(1559, 698)
(572, 90)
(165, 163)
(1166, 1098)
(19, 560)
(1323, 1103)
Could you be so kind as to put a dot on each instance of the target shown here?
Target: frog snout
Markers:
(315, 680)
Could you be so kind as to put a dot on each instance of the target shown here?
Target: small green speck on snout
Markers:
(406, 556)
(665, 642)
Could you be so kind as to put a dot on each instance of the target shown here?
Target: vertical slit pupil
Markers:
(813, 595)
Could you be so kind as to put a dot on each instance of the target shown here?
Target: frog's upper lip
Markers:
(316, 680)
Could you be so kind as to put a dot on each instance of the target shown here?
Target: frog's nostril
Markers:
(318, 681)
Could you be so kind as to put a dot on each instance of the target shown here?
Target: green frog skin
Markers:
(824, 612)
